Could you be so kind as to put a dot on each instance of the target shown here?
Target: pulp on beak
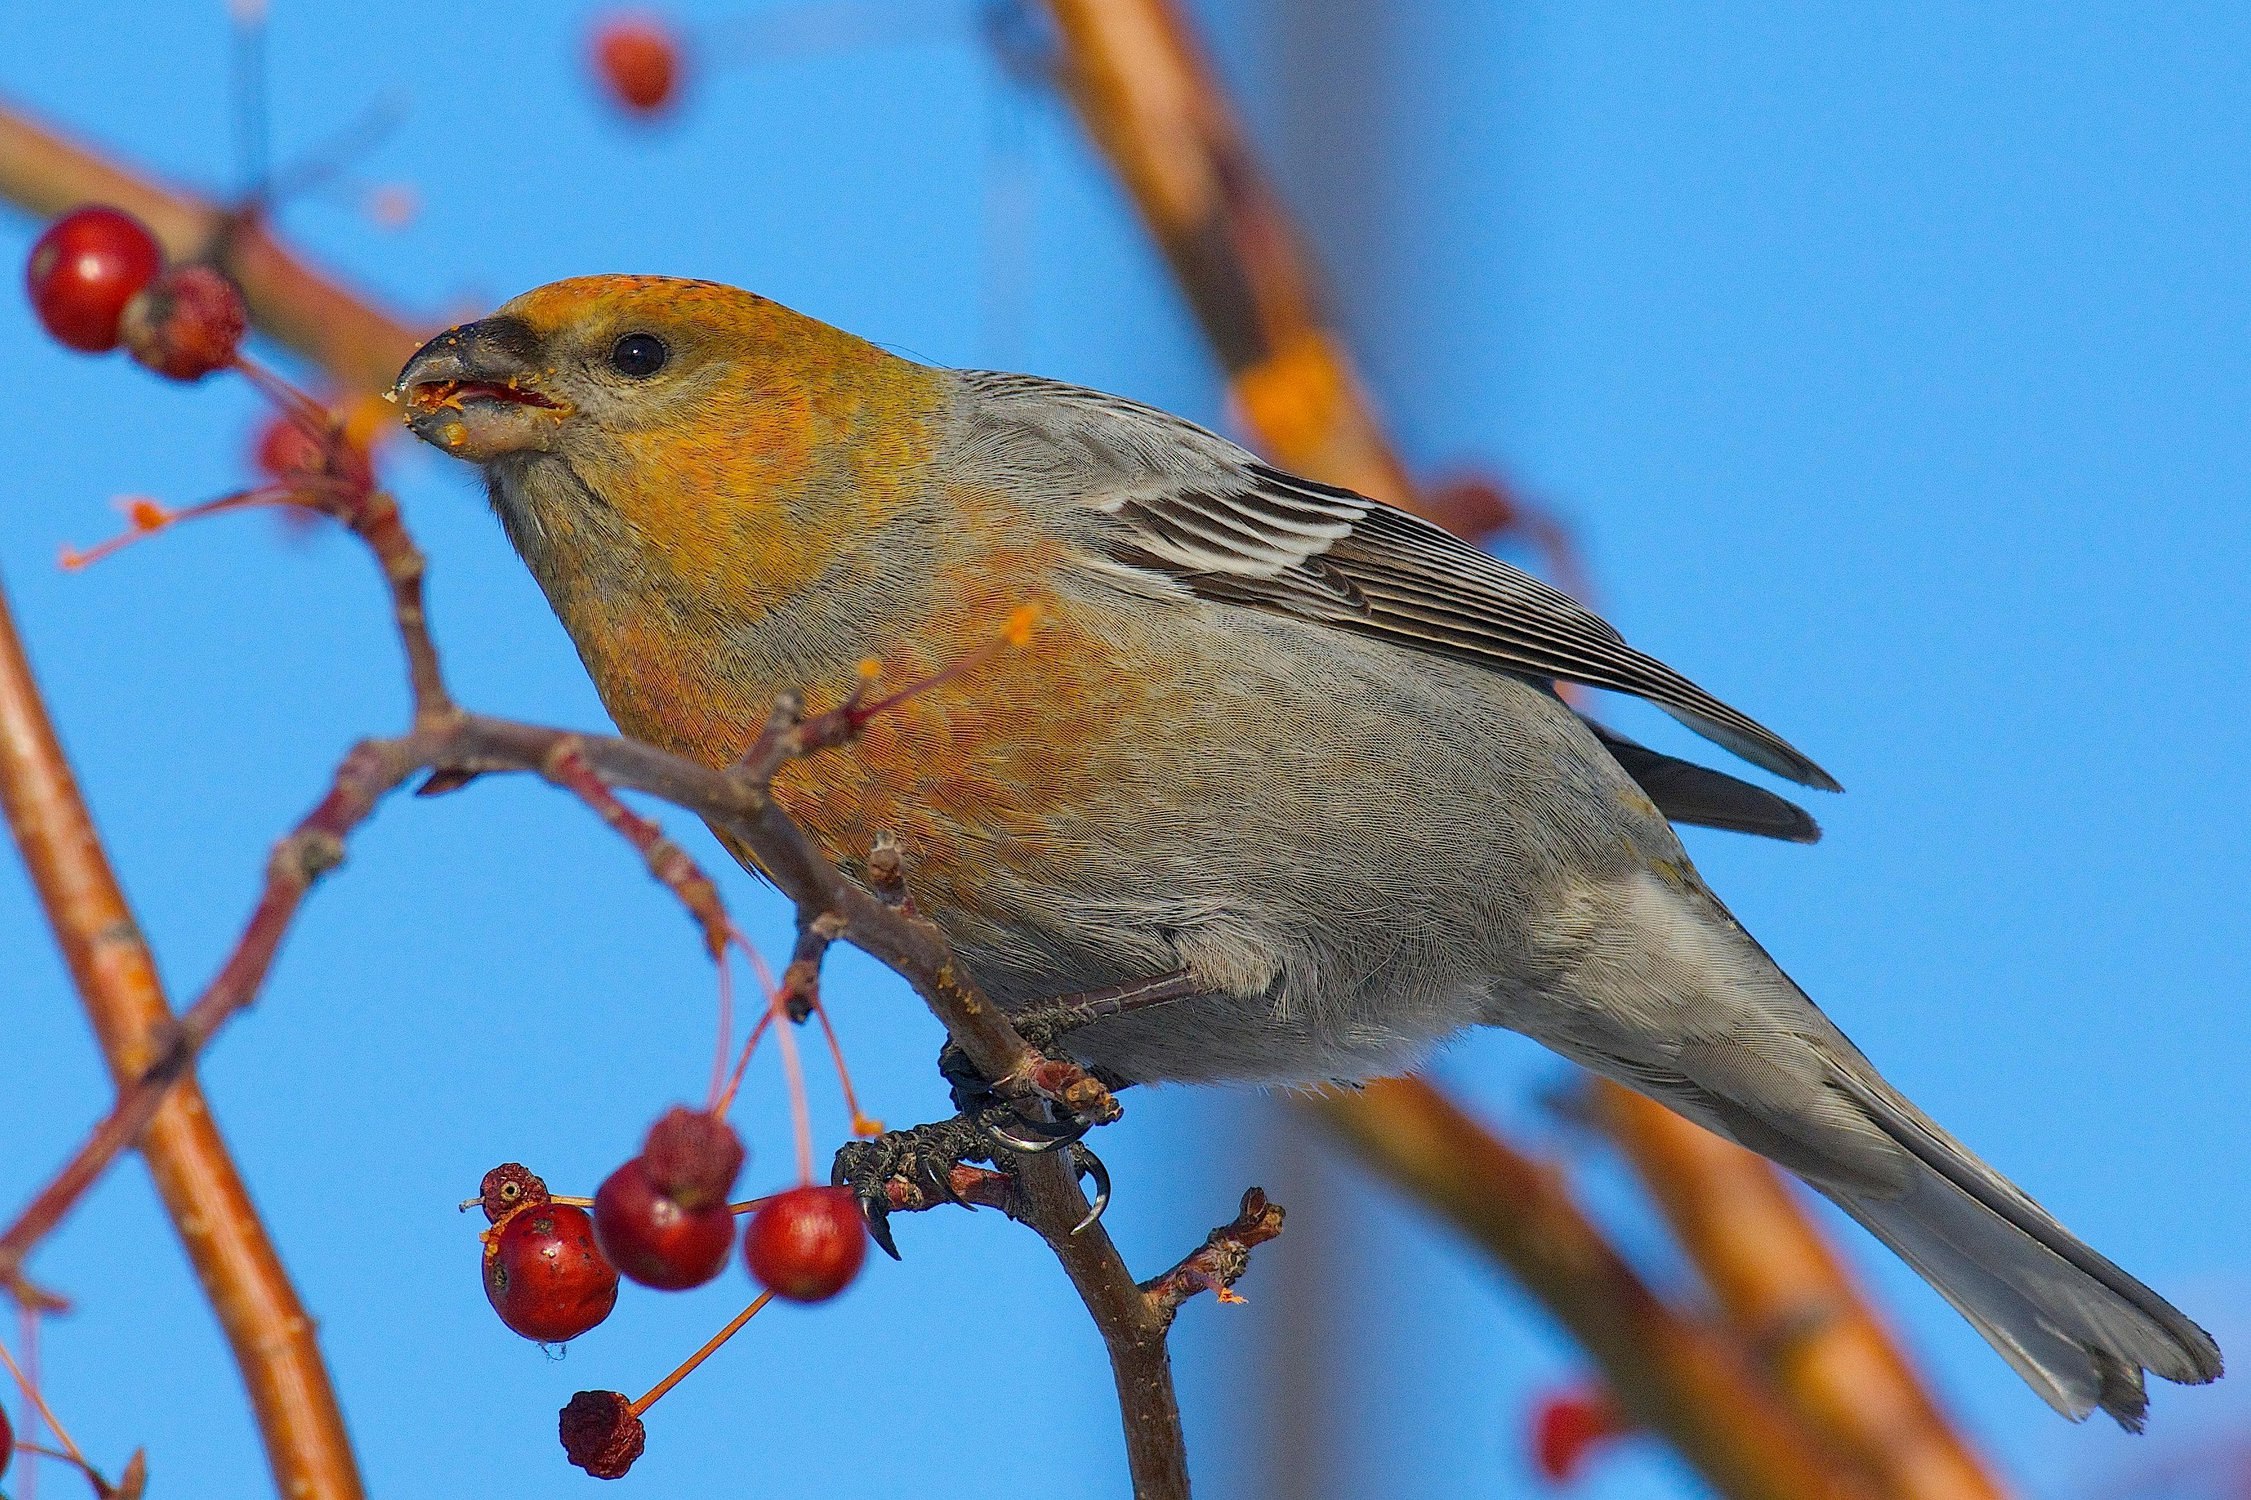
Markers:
(474, 391)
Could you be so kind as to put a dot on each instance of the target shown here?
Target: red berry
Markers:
(285, 451)
(806, 1244)
(7, 1443)
(601, 1434)
(83, 271)
(185, 324)
(652, 1239)
(638, 61)
(544, 1275)
(693, 1157)
(1568, 1427)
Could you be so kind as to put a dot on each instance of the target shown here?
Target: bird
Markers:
(1292, 747)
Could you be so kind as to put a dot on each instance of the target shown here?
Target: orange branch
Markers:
(1780, 1285)
(1154, 106)
(273, 1339)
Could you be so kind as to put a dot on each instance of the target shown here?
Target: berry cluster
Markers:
(551, 1265)
(551, 1268)
(97, 279)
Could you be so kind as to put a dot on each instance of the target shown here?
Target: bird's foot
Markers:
(1083, 1097)
(910, 1171)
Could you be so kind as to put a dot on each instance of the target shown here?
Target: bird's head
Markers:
(674, 426)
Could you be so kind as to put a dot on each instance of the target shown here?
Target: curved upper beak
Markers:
(477, 391)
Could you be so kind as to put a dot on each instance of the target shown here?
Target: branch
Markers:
(1154, 106)
(1673, 1375)
(1221, 1261)
(1786, 1294)
(265, 1323)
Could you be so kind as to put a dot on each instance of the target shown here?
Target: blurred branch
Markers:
(358, 344)
(1781, 1286)
(1672, 1374)
(265, 1323)
(1154, 106)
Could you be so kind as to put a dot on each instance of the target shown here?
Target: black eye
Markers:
(639, 355)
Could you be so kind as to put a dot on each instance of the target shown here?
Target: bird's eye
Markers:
(639, 355)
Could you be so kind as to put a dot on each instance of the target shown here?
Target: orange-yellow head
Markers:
(645, 432)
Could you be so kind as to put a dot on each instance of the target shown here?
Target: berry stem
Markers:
(742, 1063)
(317, 420)
(861, 1124)
(800, 1109)
(148, 518)
(711, 1347)
(793, 1067)
(46, 1412)
(721, 1089)
(746, 1206)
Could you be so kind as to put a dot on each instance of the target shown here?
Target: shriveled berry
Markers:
(655, 1241)
(806, 1244)
(1568, 1427)
(545, 1276)
(508, 1187)
(286, 451)
(84, 269)
(185, 324)
(693, 1157)
(638, 62)
(601, 1434)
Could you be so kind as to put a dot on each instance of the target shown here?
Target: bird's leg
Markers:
(909, 1171)
(1040, 1025)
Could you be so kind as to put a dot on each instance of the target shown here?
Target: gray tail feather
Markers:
(2076, 1327)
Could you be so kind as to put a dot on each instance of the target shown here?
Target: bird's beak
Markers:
(477, 392)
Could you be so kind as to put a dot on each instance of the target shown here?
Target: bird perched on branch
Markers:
(1294, 744)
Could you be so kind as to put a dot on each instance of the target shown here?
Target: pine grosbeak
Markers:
(1293, 743)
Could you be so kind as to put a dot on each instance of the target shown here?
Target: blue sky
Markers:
(1892, 368)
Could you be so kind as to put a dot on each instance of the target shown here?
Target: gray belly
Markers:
(1351, 844)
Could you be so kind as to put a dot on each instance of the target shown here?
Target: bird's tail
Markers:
(2076, 1327)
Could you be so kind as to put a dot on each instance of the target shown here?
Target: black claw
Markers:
(878, 1219)
(870, 1197)
(1029, 1137)
(1089, 1165)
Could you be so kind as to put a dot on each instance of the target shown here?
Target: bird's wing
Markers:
(1177, 501)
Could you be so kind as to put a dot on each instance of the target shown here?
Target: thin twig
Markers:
(1218, 1263)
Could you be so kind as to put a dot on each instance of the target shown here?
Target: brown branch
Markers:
(359, 345)
(1219, 1262)
(1781, 1286)
(1672, 1374)
(1152, 103)
(265, 1323)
